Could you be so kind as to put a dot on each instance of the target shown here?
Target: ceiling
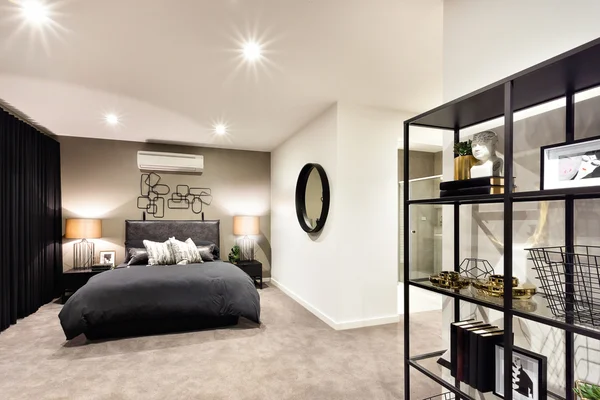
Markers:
(172, 69)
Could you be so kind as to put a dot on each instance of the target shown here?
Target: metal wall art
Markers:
(153, 193)
(186, 197)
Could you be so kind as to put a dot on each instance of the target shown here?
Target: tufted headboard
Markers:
(159, 231)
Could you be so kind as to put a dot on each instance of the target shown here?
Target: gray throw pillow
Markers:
(215, 249)
(159, 253)
(138, 256)
(185, 252)
(207, 252)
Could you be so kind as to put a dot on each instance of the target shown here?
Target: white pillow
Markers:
(159, 253)
(185, 252)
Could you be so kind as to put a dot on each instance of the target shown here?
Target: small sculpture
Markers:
(476, 269)
(484, 150)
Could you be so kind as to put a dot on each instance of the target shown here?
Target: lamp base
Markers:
(83, 254)
(246, 249)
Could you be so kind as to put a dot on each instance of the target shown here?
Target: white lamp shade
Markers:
(245, 225)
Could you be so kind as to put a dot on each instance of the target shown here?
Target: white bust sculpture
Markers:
(484, 150)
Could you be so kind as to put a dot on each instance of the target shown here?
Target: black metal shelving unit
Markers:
(560, 77)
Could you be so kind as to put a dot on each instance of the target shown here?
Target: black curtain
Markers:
(30, 219)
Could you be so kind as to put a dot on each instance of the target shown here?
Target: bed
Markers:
(142, 300)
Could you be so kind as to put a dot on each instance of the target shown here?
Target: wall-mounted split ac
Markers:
(170, 162)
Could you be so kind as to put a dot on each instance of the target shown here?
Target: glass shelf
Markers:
(543, 315)
(534, 195)
(472, 199)
(534, 309)
(463, 294)
(428, 365)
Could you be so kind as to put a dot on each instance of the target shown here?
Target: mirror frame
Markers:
(301, 197)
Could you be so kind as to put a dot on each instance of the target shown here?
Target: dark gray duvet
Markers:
(211, 289)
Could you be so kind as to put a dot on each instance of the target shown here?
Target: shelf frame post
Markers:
(456, 222)
(406, 282)
(570, 248)
(508, 235)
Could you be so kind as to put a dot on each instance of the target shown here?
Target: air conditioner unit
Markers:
(170, 162)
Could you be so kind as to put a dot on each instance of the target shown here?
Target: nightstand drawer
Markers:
(252, 270)
(74, 279)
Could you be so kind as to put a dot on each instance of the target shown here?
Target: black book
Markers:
(453, 342)
(460, 352)
(474, 182)
(473, 191)
(466, 359)
(474, 353)
(486, 360)
(101, 267)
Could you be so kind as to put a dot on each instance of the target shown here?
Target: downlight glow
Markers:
(220, 129)
(111, 119)
(35, 11)
(252, 51)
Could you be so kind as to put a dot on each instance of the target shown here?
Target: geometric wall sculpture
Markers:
(153, 194)
(185, 198)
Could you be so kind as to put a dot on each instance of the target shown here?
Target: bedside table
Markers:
(74, 279)
(254, 269)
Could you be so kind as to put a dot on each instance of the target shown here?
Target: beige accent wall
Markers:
(438, 163)
(100, 179)
(422, 164)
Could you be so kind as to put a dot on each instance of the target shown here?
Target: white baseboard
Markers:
(328, 320)
(305, 304)
(362, 323)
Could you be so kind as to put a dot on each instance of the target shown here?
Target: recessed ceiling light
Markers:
(252, 51)
(220, 129)
(35, 11)
(111, 119)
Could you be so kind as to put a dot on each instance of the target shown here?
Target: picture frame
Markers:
(108, 257)
(529, 374)
(570, 165)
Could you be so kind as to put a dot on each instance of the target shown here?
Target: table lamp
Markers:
(83, 251)
(244, 226)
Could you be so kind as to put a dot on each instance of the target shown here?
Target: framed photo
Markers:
(528, 377)
(108, 257)
(570, 165)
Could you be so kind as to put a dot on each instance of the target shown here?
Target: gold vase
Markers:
(462, 167)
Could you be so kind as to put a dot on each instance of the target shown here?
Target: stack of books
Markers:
(101, 267)
(472, 353)
(467, 187)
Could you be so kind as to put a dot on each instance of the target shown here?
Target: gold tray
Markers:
(449, 280)
(499, 280)
(492, 289)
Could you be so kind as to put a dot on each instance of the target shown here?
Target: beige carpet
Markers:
(292, 355)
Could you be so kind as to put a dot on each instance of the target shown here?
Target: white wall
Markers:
(368, 210)
(485, 41)
(347, 275)
(307, 267)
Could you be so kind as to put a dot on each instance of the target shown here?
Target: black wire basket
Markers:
(443, 396)
(570, 281)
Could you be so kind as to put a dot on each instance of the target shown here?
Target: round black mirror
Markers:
(312, 198)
